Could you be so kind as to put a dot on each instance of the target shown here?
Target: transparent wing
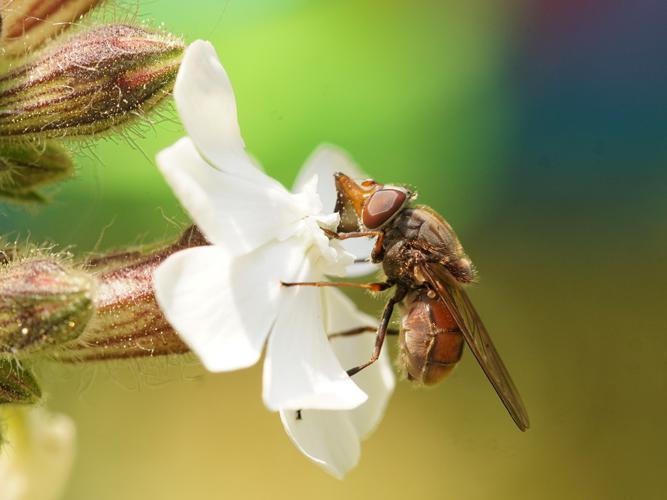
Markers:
(478, 340)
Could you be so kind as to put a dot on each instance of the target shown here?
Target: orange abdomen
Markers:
(431, 342)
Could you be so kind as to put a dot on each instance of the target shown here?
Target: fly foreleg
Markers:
(378, 248)
(357, 234)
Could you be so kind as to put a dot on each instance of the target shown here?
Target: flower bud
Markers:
(89, 83)
(28, 23)
(17, 384)
(42, 304)
(24, 167)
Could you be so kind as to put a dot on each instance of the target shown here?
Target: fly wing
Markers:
(477, 338)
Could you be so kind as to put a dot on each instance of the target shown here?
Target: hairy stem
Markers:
(128, 322)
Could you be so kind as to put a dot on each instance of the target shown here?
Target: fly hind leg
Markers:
(382, 331)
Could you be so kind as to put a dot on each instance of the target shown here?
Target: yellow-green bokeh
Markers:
(419, 93)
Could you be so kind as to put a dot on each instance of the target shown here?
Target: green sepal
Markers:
(42, 304)
(25, 167)
(17, 384)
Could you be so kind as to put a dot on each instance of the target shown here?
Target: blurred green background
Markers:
(537, 129)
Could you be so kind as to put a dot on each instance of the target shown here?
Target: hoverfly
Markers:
(425, 262)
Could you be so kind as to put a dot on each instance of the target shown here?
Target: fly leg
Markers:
(347, 333)
(376, 254)
(373, 287)
(357, 234)
(382, 330)
(361, 329)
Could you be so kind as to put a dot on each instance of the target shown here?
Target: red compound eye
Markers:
(382, 206)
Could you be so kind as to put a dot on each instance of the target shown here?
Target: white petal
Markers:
(378, 380)
(223, 306)
(207, 107)
(235, 212)
(327, 256)
(301, 370)
(326, 437)
(323, 163)
(341, 313)
(361, 248)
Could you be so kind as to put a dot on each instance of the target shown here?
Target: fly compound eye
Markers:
(382, 206)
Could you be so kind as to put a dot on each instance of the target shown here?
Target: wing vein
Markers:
(476, 336)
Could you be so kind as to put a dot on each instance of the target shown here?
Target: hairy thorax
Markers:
(419, 235)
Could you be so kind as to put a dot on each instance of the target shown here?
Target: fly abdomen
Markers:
(430, 341)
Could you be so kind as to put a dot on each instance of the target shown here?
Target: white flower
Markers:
(325, 161)
(36, 455)
(224, 299)
(332, 438)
